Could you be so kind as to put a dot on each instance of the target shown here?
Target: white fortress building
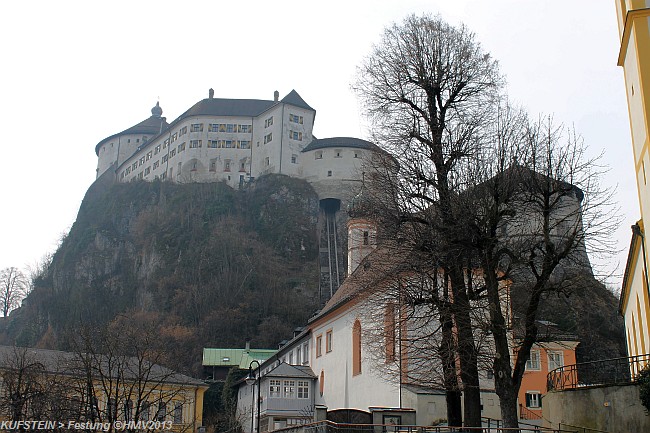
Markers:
(237, 140)
(233, 140)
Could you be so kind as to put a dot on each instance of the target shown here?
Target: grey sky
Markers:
(77, 72)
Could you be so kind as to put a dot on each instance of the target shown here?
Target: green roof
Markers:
(241, 358)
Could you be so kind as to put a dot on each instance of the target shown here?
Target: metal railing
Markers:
(525, 413)
(617, 371)
(489, 426)
(578, 429)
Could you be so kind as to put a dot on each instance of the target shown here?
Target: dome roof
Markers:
(361, 205)
(151, 127)
(156, 111)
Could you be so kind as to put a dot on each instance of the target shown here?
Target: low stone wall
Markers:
(615, 409)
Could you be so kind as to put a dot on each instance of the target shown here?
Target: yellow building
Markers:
(634, 57)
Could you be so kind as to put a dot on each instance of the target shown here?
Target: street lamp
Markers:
(250, 380)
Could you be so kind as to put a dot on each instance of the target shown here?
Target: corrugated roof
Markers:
(286, 370)
(235, 357)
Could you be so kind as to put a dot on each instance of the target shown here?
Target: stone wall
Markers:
(615, 409)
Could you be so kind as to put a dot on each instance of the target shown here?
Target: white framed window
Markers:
(303, 389)
(212, 144)
(196, 127)
(555, 360)
(268, 137)
(305, 354)
(328, 341)
(289, 389)
(533, 361)
(194, 144)
(533, 399)
(274, 388)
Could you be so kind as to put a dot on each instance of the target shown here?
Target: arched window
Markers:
(322, 382)
(356, 348)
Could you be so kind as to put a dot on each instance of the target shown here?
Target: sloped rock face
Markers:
(221, 262)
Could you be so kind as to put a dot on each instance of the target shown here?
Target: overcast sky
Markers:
(74, 73)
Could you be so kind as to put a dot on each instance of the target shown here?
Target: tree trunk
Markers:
(447, 354)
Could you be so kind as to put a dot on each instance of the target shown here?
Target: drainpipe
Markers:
(281, 137)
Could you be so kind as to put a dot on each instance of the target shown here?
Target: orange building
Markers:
(545, 356)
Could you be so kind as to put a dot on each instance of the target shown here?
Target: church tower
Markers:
(362, 229)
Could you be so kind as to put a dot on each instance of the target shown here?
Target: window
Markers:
(366, 237)
(213, 165)
(226, 165)
(267, 161)
(144, 411)
(533, 361)
(319, 154)
(165, 158)
(268, 122)
(328, 341)
(172, 153)
(303, 389)
(555, 360)
(533, 400)
(319, 346)
(128, 410)
(162, 411)
(230, 127)
(128, 170)
(194, 144)
(181, 147)
(196, 127)
(149, 155)
(299, 355)
(165, 143)
(183, 130)
(178, 413)
(274, 388)
(329, 173)
(244, 144)
(305, 354)
(295, 119)
(212, 144)
(228, 144)
(295, 135)
(157, 150)
(213, 127)
(356, 348)
(356, 154)
(242, 166)
(289, 389)
(338, 154)
(290, 361)
(142, 161)
(174, 137)
(245, 128)
(294, 159)
(135, 165)
(147, 171)
(268, 137)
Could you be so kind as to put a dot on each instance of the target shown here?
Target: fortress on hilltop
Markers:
(237, 140)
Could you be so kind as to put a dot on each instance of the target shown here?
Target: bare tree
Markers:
(428, 88)
(14, 286)
(483, 199)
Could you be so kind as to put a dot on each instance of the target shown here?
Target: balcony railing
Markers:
(617, 371)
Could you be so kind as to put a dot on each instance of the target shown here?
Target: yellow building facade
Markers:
(634, 57)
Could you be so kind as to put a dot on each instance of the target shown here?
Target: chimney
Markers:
(276, 96)
(248, 340)
(211, 93)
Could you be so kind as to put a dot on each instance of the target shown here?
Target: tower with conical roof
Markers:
(114, 150)
(362, 229)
